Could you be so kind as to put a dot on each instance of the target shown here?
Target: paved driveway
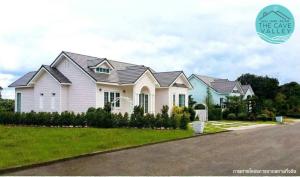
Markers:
(271, 148)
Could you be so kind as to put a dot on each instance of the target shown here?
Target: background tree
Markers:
(264, 87)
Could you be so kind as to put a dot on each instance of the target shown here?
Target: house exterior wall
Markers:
(235, 94)
(162, 97)
(145, 81)
(248, 93)
(47, 86)
(126, 95)
(82, 92)
(64, 98)
(199, 91)
(177, 91)
(27, 99)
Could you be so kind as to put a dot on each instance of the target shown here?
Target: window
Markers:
(174, 99)
(181, 100)
(18, 102)
(146, 103)
(105, 98)
(102, 70)
(113, 98)
(143, 101)
(118, 99)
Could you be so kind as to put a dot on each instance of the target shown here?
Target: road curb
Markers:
(24, 167)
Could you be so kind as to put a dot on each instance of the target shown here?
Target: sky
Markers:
(208, 37)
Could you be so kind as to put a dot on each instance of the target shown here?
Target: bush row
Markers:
(102, 118)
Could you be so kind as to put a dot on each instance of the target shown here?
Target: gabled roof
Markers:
(57, 75)
(23, 81)
(246, 88)
(165, 79)
(223, 86)
(122, 73)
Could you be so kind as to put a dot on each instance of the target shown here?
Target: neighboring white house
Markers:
(75, 82)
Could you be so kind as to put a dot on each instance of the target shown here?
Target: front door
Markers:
(144, 102)
(18, 102)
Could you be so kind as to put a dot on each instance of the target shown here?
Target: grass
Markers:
(225, 124)
(29, 145)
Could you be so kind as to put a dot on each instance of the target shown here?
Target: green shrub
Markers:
(184, 121)
(192, 113)
(262, 117)
(165, 117)
(174, 123)
(242, 116)
(107, 107)
(79, 120)
(214, 113)
(231, 116)
(137, 117)
(121, 121)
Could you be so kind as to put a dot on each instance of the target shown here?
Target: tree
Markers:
(264, 87)
(192, 102)
(208, 99)
(7, 105)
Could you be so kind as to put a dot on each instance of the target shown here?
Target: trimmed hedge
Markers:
(101, 118)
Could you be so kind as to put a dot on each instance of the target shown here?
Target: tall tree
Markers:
(263, 86)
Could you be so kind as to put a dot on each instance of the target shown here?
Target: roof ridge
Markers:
(168, 72)
(81, 54)
(121, 62)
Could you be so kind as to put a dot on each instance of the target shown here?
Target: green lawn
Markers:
(224, 124)
(28, 145)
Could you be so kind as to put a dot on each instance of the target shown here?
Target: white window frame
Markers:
(103, 70)
(114, 96)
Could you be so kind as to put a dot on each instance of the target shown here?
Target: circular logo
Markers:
(275, 24)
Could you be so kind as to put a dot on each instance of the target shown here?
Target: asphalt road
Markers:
(266, 148)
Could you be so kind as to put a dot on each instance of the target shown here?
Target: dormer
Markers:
(103, 66)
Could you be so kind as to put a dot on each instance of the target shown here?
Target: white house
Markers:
(75, 82)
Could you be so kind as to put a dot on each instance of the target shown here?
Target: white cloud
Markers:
(207, 37)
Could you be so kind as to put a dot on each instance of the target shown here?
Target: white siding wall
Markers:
(249, 92)
(64, 98)
(161, 98)
(27, 99)
(177, 91)
(235, 94)
(47, 85)
(145, 81)
(82, 92)
(125, 104)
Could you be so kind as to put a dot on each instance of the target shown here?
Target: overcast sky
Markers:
(209, 37)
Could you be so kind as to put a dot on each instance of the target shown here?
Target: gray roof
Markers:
(224, 86)
(246, 87)
(57, 75)
(123, 73)
(23, 81)
(165, 79)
